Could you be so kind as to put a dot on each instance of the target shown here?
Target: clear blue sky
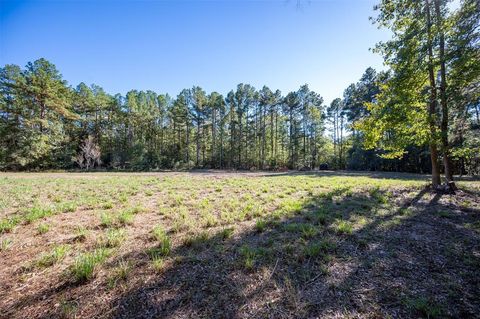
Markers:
(166, 46)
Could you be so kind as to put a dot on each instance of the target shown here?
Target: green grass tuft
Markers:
(85, 264)
(43, 228)
(7, 224)
(57, 254)
(36, 213)
(5, 244)
(344, 227)
(164, 242)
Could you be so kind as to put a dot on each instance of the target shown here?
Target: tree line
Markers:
(420, 115)
(47, 124)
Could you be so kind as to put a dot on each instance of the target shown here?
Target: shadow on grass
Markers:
(371, 174)
(336, 255)
(309, 263)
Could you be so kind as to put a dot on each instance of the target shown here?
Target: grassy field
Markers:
(237, 245)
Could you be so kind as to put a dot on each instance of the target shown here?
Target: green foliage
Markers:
(81, 233)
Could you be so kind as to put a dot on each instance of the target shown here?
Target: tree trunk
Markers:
(443, 100)
(432, 107)
(197, 160)
(188, 142)
(213, 158)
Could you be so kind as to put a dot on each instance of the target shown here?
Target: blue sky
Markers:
(166, 46)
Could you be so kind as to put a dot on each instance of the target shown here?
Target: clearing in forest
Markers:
(237, 245)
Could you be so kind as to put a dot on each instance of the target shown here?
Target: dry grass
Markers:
(216, 244)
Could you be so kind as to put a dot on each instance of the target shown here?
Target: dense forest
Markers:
(423, 112)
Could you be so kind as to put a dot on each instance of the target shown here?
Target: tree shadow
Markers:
(371, 174)
(306, 264)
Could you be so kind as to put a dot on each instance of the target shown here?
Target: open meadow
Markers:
(237, 245)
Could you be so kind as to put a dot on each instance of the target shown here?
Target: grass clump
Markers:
(43, 228)
(248, 257)
(164, 242)
(57, 254)
(125, 217)
(197, 240)
(5, 244)
(68, 309)
(113, 238)
(318, 248)
(425, 307)
(158, 263)
(226, 233)
(81, 233)
(308, 230)
(85, 264)
(444, 214)
(7, 224)
(120, 273)
(106, 220)
(319, 217)
(36, 213)
(68, 207)
(107, 205)
(344, 227)
(260, 225)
